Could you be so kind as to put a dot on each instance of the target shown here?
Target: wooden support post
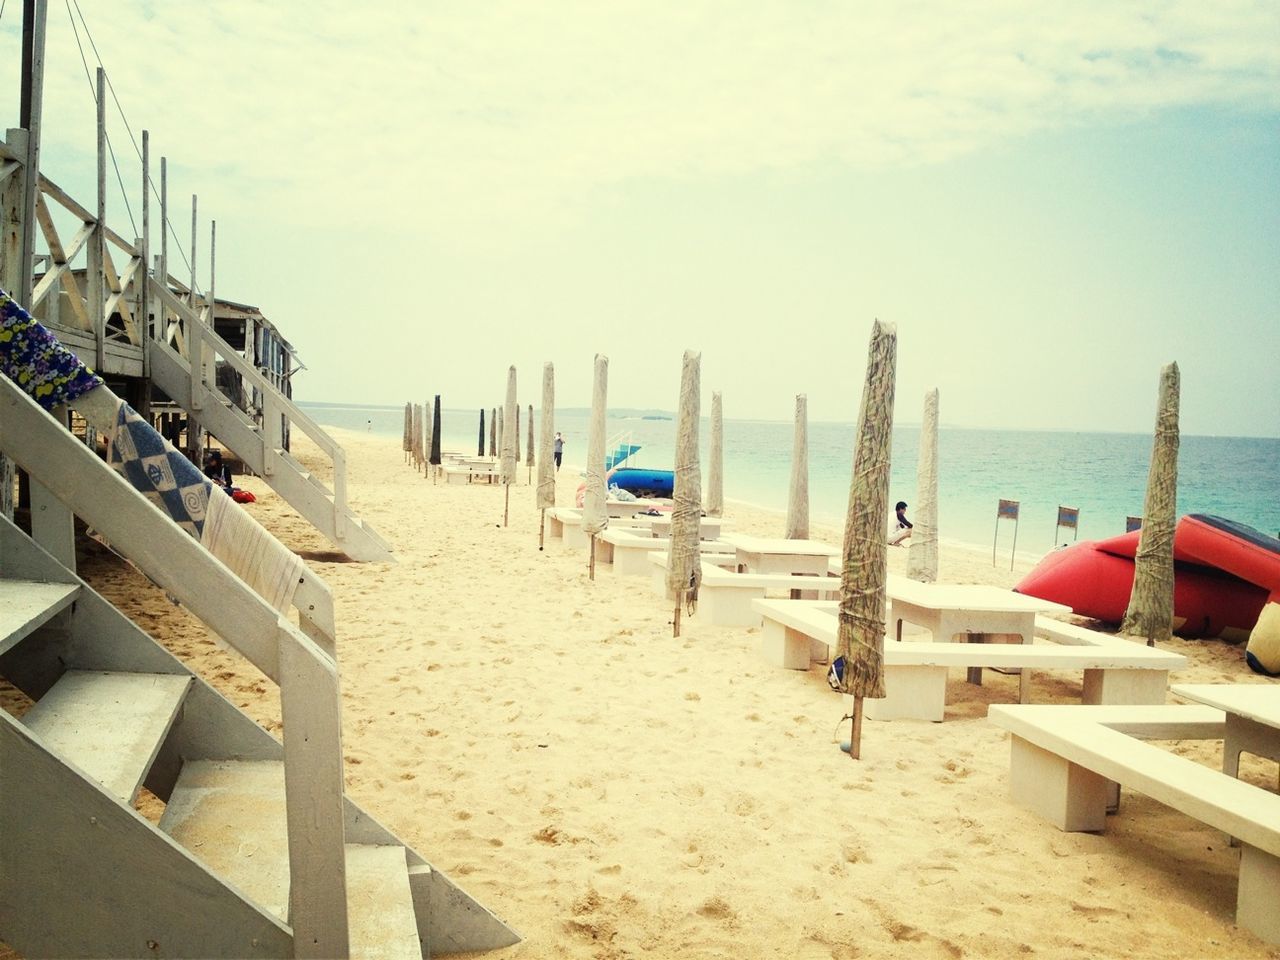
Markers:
(506, 512)
(31, 109)
(675, 620)
(591, 564)
(855, 730)
(52, 525)
(95, 281)
(542, 528)
(144, 288)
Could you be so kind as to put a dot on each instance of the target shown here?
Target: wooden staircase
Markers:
(258, 852)
(259, 445)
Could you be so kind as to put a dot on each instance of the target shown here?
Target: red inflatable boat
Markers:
(1226, 582)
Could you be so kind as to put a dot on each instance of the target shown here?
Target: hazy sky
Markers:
(1049, 203)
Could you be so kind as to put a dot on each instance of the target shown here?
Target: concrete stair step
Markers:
(110, 725)
(26, 605)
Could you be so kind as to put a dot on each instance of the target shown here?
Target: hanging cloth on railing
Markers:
(169, 480)
(33, 358)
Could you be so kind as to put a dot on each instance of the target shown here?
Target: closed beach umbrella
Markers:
(493, 432)
(546, 496)
(480, 445)
(410, 426)
(502, 429)
(529, 452)
(684, 555)
(510, 441)
(798, 496)
(1150, 613)
(407, 442)
(922, 551)
(428, 435)
(594, 516)
(416, 442)
(516, 439)
(435, 433)
(715, 470)
(860, 636)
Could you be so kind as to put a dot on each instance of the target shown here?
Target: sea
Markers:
(1102, 475)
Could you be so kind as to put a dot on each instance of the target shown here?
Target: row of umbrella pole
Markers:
(864, 554)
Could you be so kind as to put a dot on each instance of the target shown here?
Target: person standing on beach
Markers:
(559, 450)
(902, 526)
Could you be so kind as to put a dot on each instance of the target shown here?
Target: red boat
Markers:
(1226, 583)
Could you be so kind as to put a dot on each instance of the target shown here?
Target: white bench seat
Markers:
(714, 556)
(1063, 759)
(726, 595)
(1059, 631)
(628, 550)
(469, 474)
(915, 672)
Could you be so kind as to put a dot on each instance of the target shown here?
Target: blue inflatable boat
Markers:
(644, 483)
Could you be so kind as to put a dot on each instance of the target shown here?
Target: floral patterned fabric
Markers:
(33, 358)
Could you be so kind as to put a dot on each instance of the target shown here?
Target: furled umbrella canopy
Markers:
(435, 433)
(428, 434)
(415, 439)
(922, 551)
(1150, 613)
(515, 442)
(529, 450)
(546, 495)
(798, 494)
(684, 555)
(480, 445)
(493, 432)
(407, 443)
(860, 634)
(510, 440)
(715, 470)
(502, 433)
(594, 516)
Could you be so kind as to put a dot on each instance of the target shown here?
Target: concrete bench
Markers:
(725, 595)
(715, 556)
(565, 523)
(468, 474)
(915, 672)
(628, 549)
(1063, 759)
(1069, 634)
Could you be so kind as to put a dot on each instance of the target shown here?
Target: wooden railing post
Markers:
(340, 494)
(311, 710)
(95, 281)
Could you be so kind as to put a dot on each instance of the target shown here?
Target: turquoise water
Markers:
(1103, 474)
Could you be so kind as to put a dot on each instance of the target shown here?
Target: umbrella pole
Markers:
(675, 623)
(542, 526)
(506, 506)
(591, 566)
(855, 732)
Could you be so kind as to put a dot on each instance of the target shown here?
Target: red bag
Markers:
(243, 496)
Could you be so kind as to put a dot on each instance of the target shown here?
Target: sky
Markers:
(1049, 202)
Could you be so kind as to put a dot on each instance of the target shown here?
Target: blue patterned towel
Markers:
(33, 358)
(158, 471)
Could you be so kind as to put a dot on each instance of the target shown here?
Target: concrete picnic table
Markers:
(764, 555)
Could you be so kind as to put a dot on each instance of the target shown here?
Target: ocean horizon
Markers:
(1102, 474)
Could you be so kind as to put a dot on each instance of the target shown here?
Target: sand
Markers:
(613, 792)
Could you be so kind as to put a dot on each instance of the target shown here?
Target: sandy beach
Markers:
(613, 792)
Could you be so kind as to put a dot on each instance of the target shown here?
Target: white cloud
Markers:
(487, 112)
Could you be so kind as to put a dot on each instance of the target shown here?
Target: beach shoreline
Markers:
(612, 792)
